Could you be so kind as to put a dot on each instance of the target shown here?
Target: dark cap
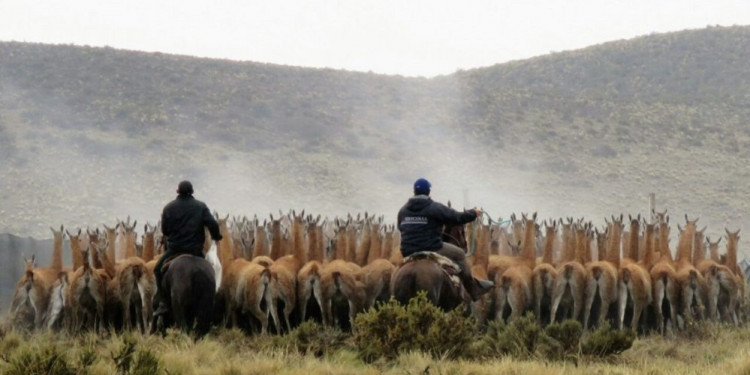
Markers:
(422, 187)
(185, 187)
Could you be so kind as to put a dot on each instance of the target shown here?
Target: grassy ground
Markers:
(712, 349)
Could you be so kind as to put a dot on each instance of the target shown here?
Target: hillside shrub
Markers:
(561, 341)
(47, 360)
(568, 333)
(699, 330)
(87, 356)
(131, 360)
(519, 338)
(389, 329)
(606, 341)
(523, 338)
(314, 338)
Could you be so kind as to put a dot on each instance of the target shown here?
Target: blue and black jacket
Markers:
(421, 222)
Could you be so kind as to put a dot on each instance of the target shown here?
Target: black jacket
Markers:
(182, 222)
(421, 222)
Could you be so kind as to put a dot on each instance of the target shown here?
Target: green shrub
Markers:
(524, 338)
(319, 340)
(9, 342)
(605, 341)
(567, 333)
(699, 330)
(48, 360)
(492, 343)
(518, 338)
(391, 328)
(451, 335)
(87, 356)
(561, 341)
(146, 363)
(123, 357)
(129, 360)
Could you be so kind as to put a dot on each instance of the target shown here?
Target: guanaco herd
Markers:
(274, 273)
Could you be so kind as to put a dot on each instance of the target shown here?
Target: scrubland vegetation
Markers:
(392, 339)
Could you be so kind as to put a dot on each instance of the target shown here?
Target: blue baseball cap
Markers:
(422, 186)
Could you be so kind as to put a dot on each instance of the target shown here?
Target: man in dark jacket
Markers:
(182, 223)
(421, 222)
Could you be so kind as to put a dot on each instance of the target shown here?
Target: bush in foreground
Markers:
(311, 337)
(606, 341)
(391, 328)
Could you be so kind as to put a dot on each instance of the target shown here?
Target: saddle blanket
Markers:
(450, 266)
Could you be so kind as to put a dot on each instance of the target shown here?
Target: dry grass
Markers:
(723, 350)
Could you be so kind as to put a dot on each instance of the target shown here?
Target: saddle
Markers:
(449, 267)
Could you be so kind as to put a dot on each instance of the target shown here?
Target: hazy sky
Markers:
(414, 38)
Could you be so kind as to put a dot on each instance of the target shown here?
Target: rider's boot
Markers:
(478, 287)
(160, 305)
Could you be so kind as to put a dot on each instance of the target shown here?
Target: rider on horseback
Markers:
(182, 223)
(421, 222)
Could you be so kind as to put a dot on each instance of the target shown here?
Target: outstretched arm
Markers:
(451, 216)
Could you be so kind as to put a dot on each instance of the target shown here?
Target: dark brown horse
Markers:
(190, 285)
(427, 275)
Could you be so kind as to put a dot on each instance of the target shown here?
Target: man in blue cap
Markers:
(421, 222)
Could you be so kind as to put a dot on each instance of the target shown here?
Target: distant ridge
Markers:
(90, 134)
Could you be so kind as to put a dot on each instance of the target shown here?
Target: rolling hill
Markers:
(91, 134)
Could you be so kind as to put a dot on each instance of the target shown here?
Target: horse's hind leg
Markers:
(203, 316)
(179, 314)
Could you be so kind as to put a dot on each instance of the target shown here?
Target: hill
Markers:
(90, 134)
